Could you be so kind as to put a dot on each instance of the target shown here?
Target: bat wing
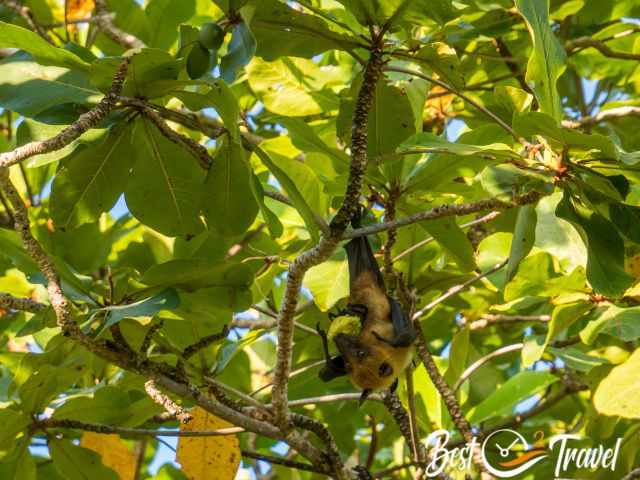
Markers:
(361, 260)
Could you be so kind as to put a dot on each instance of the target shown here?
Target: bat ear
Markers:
(363, 397)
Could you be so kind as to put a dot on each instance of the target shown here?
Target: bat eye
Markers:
(385, 369)
(361, 353)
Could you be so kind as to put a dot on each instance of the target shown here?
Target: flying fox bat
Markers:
(374, 358)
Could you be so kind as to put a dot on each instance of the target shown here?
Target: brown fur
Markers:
(363, 372)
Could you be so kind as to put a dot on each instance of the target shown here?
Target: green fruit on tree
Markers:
(211, 35)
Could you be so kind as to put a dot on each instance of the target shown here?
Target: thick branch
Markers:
(329, 242)
(9, 302)
(105, 23)
(84, 122)
(446, 210)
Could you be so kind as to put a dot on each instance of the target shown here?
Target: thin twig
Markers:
(105, 23)
(485, 218)
(482, 360)
(496, 319)
(457, 289)
(466, 98)
(282, 461)
(134, 432)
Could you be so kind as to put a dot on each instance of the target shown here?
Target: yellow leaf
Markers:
(114, 452)
(201, 457)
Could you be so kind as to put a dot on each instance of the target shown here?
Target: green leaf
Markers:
(19, 465)
(307, 35)
(273, 222)
(329, 281)
(293, 86)
(300, 183)
(149, 69)
(547, 59)
(563, 316)
(429, 143)
(576, 359)
(13, 36)
(617, 394)
(307, 140)
(13, 423)
(90, 181)
(228, 203)
(29, 88)
(218, 96)
(166, 300)
(165, 16)
(107, 406)
(516, 389)
(605, 248)
(538, 123)
(198, 273)
(77, 463)
(623, 323)
(442, 59)
(379, 12)
(452, 239)
(524, 237)
(239, 52)
(165, 186)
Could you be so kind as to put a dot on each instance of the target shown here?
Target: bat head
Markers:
(368, 364)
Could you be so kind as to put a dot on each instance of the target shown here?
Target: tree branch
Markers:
(328, 242)
(587, 42)
(447, 394)
(482, 360)
(200, 152)
(9, 302)
(105, 23)
(282, 461)
(603, 116)
(134, 432)
(84, 122)
(446, 210)
(485, 218)
(495, 319)
(163, 400)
